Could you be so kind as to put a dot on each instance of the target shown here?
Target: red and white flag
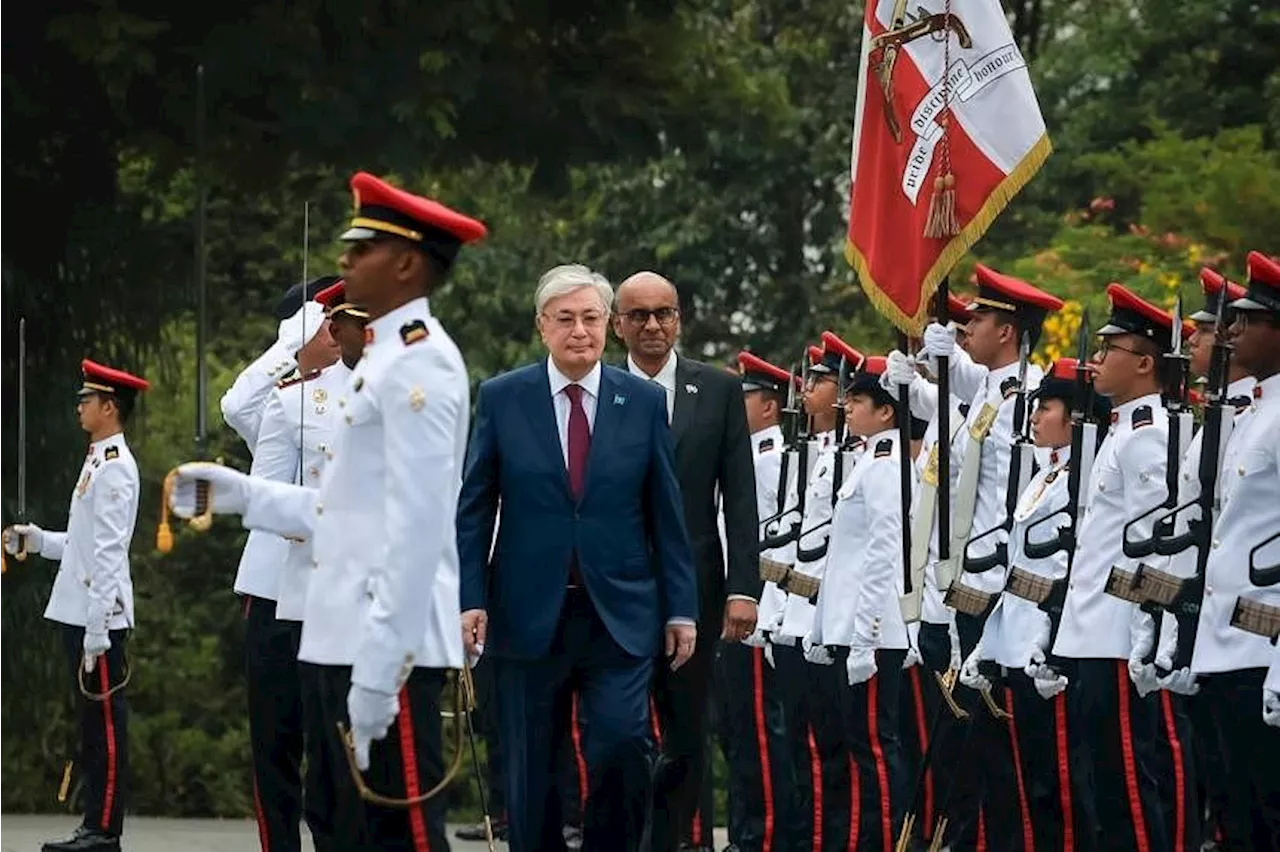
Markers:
(935, 160)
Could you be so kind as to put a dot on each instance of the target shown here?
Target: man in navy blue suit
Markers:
(591, 573)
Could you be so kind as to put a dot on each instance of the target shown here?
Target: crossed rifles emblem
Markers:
(936, 26)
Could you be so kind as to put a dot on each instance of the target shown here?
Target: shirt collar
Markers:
(774, 432)
(559, 381)
(1121, 414)
(1267, 392)
(386, 327)
(1060, 456)
(666, 376)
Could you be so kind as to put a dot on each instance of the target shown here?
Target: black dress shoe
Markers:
(85, 839)
(476, 832)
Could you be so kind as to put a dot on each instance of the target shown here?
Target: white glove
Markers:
(297, 331)
(969, 674)
(1271, 707)
(775, 623)
(756, 639)
(938, 341)
(913, 658)
(229, 489)
(768, 655)
(1046, 681)
(95, 645)
(1142, 638)
(899, 370)
(35, 538)
(861, 666)
(371, 713)
(1181, 681)
(814, 653)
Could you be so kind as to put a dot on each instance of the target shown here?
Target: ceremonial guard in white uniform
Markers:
(92, 599)
(992, 372)
(381, 620)
(818, 754)
(1112, 722)
(859, 619)
(752, 720)
(295, 441)
(1240, 613)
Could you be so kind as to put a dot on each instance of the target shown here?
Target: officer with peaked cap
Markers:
(381, 623)
(1007, 317)
(752, 721)
(1233, 650)
(92, 598)
(1112, 719)
(858, 619)
(295, 441)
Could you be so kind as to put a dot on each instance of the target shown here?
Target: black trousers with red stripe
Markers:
(1111, 734)
(812, 697)
(916, 730)
(1174, 766)
(752, 734)
(869, 715)
(103, 762)
(406, 763)
(275, 725)
(1046, 816)
(1250, 751)
(944, 734)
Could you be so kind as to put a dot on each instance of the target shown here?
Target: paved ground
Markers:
(150, 834)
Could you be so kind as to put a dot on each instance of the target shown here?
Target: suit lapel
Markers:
(543, 420)
(687, 386)
(610, 407)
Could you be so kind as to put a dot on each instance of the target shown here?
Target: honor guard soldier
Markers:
(381, 622)
(818, 756)
(1111, 724)
(994, 374)
(271, 646)
(859, 620)
(1017, 635)
(1240, 614)
(930, 622)
(92, 598)
(295, 441)
(752, 723)
(1208, 756)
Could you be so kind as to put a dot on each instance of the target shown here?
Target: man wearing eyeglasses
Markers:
(715, 468)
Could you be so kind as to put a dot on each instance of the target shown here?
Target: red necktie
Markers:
(579, 441)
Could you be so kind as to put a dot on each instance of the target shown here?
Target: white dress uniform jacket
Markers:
(383, 596)
(767, 447)
(1250, 514)
(797, 618)
(297, 436)
(997, 388)
(858, 602)
(93, 587)
(1016, 625)
(1127, 479)
(243, 402)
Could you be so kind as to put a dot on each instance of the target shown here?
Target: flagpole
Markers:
(904, 469)
(941, 312)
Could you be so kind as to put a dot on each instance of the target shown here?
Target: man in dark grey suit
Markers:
(715, 469)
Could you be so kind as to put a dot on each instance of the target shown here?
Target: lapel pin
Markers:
(690, 388)
(619, 399)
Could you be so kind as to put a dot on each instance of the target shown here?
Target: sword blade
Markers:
(22, 419)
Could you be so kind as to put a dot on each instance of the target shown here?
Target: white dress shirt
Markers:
(666, 377)
(590, 384)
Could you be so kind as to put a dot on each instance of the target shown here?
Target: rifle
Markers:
(799, 445)
(905, 473)
(1180, 596)
(1084, 443)
(842, 399)
(789, 431)
(1021, 460)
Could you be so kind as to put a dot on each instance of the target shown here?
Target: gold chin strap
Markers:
(202, 520)
(464, 702)
(103, 696)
